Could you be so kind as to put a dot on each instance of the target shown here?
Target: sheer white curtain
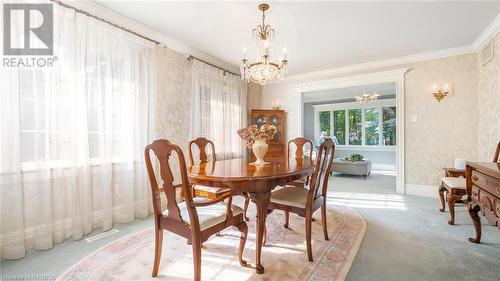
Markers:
(72, 136)
(218, 109)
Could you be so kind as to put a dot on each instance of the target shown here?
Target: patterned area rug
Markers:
(284, 257)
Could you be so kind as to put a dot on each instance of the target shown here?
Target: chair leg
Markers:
(323, 220)
(245, 207)
(451, 206)
(286, 219)
(308, 237)
(197, 259)
(158, 248)
(243, 228)
(441, 191)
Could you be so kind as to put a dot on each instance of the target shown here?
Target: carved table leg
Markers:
(261, 201)
(473, 212)
(441, 191)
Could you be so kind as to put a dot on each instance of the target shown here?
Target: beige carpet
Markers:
(284, 258)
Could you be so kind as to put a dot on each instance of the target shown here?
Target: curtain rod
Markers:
(191, 57)
(103, 20)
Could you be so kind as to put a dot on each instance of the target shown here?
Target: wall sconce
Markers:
(439, 93)
(276, 105)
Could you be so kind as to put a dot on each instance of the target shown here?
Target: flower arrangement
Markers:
(252, 133)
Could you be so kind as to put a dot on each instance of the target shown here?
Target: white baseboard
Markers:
(422, 190)
(384, 167)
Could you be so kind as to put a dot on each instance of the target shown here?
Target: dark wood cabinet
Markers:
(277, 118)
(483, 189)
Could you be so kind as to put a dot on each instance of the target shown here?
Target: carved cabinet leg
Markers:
(441, 191)
(261, 201)
(451, 205)
(476, 220)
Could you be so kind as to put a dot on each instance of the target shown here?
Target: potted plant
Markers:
(354, 157)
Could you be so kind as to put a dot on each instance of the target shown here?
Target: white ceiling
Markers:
(387, 90)
(318, 35)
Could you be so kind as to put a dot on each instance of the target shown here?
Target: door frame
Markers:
(396, 76)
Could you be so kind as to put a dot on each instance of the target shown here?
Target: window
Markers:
(355, 126)
(351, 124)
(324, 122)
(389, 125)
(339, 126)
(372, 126)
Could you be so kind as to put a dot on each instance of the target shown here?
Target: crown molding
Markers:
(488, 33)
(382, 63)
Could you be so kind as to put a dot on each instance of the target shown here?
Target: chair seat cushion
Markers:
(208, 216)
(297, 183)
(452, 182)
(290, 196)
(209, 189)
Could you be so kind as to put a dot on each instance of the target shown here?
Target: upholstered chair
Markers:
(453, 184)
(305, 201)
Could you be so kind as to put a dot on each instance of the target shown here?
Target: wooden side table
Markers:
(454, 173)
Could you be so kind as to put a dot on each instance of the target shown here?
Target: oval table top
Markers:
(240, 169)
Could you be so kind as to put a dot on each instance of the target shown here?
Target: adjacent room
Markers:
(243, 140)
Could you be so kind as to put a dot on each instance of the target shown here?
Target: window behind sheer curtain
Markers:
(72, 136)
(218, 109)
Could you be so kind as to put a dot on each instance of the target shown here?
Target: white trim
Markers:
(351, 80)
(382, 63)
(422, 190)
(353, 105)
(488, 33)
(397, 76)
(383, 167)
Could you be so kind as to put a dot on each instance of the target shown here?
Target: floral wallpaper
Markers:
(173, 96)
(489, 103)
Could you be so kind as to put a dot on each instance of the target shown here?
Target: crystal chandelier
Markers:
(263, 71)
(367, 97)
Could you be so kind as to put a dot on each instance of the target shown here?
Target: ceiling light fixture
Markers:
(263, 71)
(367, 97)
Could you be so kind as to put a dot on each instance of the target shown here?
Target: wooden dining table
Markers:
(258, 182)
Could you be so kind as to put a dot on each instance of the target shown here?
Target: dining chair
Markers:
(208, 191)
(304, 202)
(195, 220)
(300, 144)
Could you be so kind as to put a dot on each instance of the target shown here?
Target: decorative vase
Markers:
(259, 149)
